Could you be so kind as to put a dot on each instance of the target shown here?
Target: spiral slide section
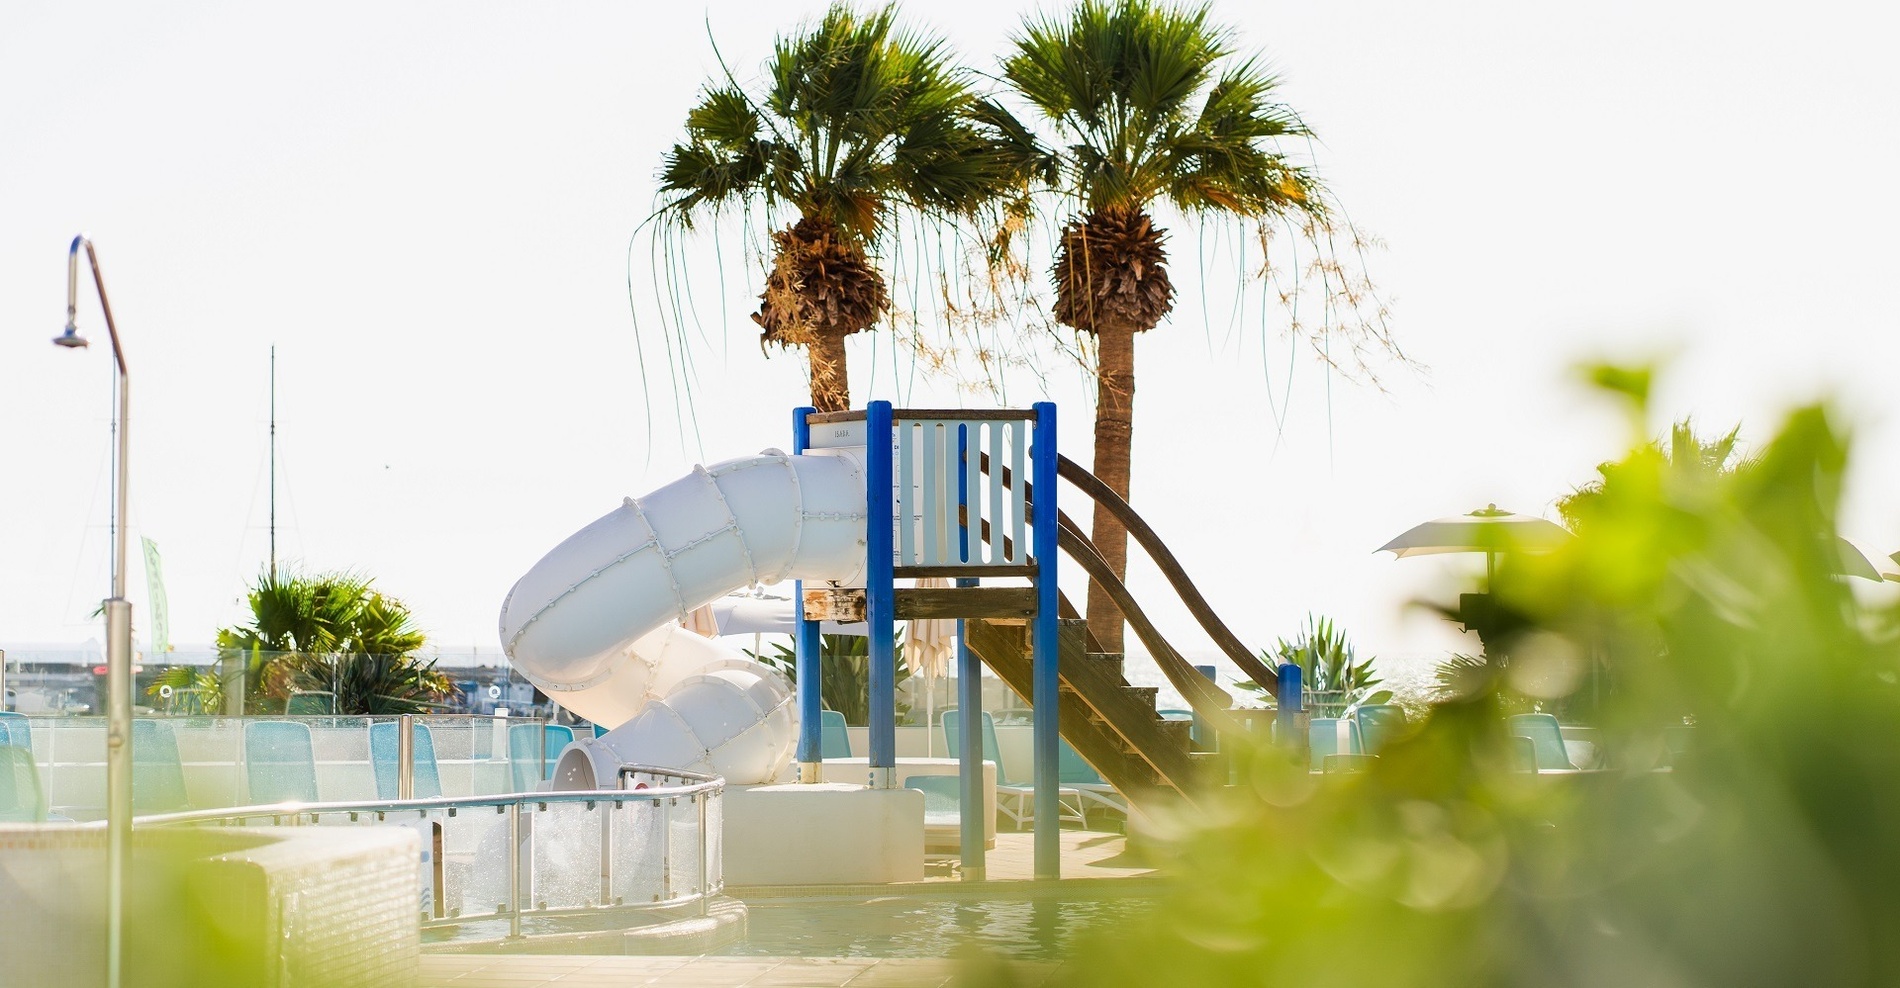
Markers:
(593, 624)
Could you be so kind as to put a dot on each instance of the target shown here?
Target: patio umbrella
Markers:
(1489, 530)
(928, 645)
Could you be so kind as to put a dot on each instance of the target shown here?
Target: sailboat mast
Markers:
(273, 462)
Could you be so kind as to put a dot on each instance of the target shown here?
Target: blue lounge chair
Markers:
(521, 752)
(835, 738)
(1074, 772)
(158, 777)
(21, 798)
(1548, 738)
(16, 730)
(1013, 799)
(385, 740)
(280, 763)
(1327, 736)
(1378, 724)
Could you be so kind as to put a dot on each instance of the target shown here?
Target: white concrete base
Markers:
(824, 834)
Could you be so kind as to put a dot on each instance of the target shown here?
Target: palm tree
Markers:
(327, 631)
(855, 121)
(1147, 105)
(1696, 462)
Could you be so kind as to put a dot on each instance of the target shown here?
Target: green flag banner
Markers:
(155, 589)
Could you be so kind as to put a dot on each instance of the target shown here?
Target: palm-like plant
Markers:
(1145, 104)
(1695, 463)
(856, 120)
(1332, 675)
(333, 632)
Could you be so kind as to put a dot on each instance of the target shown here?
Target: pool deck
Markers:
(518, 971)
(1086, 855)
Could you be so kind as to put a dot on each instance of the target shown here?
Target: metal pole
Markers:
(118, 613)
(705, 880)
(406, 758)
(1044, 673)
(514, 870)
(3, 679)
(811, 703)
(880, 596)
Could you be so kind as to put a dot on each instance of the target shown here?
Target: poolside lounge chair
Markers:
(1378, 723)
(1074, 772)
(158, 777)
(16, 730)
(385, 740)
(1327, 736)
(1548, 738)
(1014, 800)
(836, 739)
(280, 763)
(521, 752)
(21, 798)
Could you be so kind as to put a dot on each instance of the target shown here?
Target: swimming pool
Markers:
(1040, 925)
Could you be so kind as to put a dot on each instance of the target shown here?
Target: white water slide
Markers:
(595, 623)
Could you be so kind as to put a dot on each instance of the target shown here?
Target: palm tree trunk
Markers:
(1114, 444)
(830, 382)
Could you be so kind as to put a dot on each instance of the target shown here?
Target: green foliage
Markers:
(857, 117)
(844, 666)
(1697, 461)
(191, 690)
(1764, 856)
(1148, 101)
(333, 632)
(1331, 673)
(365, 684)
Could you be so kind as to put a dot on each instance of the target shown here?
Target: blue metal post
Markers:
(1202, 735)
(811, 745)
(973, 802)
(974, 808)
(880, 595)
(1043, 670)
(1289, 720)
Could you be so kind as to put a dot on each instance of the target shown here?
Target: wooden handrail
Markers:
(1208, 700)
(1170, 567)
(1158, 551)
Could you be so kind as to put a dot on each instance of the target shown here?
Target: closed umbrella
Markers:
(1489, 530)
(928, 645)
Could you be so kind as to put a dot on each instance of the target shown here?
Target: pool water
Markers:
(1032, 928)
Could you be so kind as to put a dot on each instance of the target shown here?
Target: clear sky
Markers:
(427, 207)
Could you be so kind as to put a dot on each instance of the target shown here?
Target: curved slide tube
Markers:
(592, 623)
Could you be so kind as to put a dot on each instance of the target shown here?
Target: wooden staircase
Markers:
(1111, 724)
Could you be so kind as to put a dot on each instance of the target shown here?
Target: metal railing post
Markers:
(666, 847)
(705, 881)
(514, 870)
(607, 851)
(406, 757)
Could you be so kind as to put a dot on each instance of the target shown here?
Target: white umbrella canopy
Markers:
(1489, 530)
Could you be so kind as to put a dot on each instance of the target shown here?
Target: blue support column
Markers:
(973, 802)
(1043, 673)
(811, 745)
(974, 809)
(1289, 716)
(880, 595)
